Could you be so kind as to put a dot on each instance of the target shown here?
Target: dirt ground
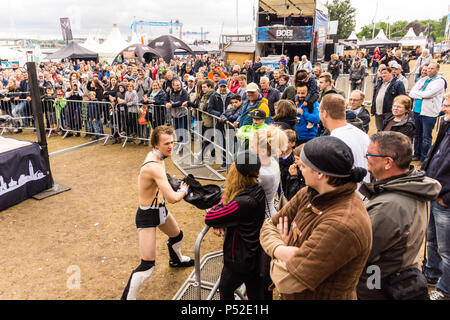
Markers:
(91, 229)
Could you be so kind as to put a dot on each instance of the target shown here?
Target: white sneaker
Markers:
(438, 295)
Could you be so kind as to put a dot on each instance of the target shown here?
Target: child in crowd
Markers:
(85, 115)
(59, 105)
(245, 133)
(304, 77)
(233, 111)
(287, 159)
(50, 113)
(295, 180)
(95, 115)
(144, 125)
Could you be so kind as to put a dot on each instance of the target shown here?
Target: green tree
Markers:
(344, 12)
(400, 28)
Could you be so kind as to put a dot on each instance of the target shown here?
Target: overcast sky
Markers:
(40, 19)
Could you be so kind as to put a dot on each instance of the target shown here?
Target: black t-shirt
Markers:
(387, 59)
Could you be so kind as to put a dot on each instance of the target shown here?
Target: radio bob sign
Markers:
(285, 34)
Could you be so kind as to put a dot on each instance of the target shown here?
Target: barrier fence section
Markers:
(18, 109)
(207, 139)
(367, 86)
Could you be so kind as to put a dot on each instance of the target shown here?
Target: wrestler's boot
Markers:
(177, 260)
(138, 276)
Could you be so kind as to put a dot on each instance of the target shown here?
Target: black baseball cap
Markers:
(259, 114)
(248, 163)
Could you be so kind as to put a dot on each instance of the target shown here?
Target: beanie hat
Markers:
(332, 157)
(248, 163)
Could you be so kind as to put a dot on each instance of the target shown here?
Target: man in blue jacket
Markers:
(220, 100)
(308, 124)
(387, 88)
(437, 166)
(254, 101)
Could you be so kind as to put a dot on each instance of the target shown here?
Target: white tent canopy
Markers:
(411, 40)
(113, 44)
(91, 44)
(12, 55)
(410, 34)
(381, 35)
(352, 37)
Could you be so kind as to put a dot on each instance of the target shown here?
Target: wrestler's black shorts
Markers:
(151, 217)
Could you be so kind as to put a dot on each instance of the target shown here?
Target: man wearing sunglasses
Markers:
(397, 205)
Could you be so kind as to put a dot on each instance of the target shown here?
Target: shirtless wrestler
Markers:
(154, 190)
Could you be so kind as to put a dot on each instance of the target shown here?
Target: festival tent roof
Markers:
(11, 55)
(296, 7)
(168, 46)
(91, 43)
(73, 51)
(114, 43)
(352, 37)
(411, 40)
(140, 52)
(379, 41)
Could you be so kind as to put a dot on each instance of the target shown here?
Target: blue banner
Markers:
(285, 34)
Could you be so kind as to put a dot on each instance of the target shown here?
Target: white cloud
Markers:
(41, 18)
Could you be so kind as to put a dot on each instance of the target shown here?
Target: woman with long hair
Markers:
(334, 67)
(285, 115)
(239, 217)
(157, 98)
(268, 143)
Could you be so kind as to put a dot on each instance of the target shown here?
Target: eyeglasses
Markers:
(398, 106)
(376, 155)
(354, 99)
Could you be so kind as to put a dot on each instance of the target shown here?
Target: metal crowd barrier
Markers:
(18, 109)
(203, 282)
(367, 86)
(218, 138)
(76, 117)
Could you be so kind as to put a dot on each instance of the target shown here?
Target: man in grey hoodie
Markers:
(397, 203)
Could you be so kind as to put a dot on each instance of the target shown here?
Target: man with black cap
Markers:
(319, 242)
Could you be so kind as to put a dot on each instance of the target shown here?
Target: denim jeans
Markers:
(98, 126)
(438, 247)
(423, 135)
(180, 125)
(22, 109)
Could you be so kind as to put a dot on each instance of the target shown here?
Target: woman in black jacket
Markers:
(239, 217)
(285, 115)
(401, 120)
(158, 99)
(334, 67)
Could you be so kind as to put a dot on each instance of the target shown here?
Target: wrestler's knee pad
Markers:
(138, 276)
(177, 260)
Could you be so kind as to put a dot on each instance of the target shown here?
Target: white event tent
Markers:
(411, 40)
(113, 44)
(9, 54)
